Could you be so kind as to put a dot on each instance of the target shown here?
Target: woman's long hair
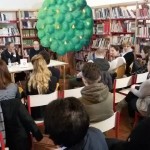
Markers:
(5, 77)
(40, 76)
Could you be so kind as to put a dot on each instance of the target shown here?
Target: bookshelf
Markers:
(9, 28)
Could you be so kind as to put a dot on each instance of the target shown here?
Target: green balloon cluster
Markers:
(65, 25)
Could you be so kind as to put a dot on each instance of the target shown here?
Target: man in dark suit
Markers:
(35, 50)
(10, 53)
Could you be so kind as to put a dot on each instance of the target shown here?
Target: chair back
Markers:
(141, 77)
(123, 82)
(73, 92)
(41, 100)
(108, 124)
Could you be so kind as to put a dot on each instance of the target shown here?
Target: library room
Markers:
(75, 75)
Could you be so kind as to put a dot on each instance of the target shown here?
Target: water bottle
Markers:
(9, 62)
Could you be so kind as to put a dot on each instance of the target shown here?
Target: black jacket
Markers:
(18, 125)
(5, 55)
(34, 52)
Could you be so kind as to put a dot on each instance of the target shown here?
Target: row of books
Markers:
(28, 24)
(101, 42)
(9, 31)
(118, 40)
(143, 32)
(122, 12)
(115, 12)
(125, 26)
(7, 16)
(103, 28)
(15, 40)
(28, 42)
(28, 33)
(28, 14)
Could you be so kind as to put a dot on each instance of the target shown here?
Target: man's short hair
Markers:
(91, 72)
(66, 121)
(46, 56)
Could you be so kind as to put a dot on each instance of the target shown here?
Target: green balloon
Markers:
(59, 18)
(40, 25)
(64, 8)
(77, 13)
(59, 2)
(70, 47)
(78, 46)
(80, 3)
(41, 14)
(41, 34)
(45, 4)
(69, 17)
(61, 50)
(80, 25)
(51, 30)
(88, 11)
(88, 33)
(75, 40)
(71, 6)
(71, 33)
(49, 20)
(51, 12)
(45, 42)
(52, 2)
(65, 26)
(54, 46)
(59, 35)
(88, 23)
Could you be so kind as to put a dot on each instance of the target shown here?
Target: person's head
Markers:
(46, 56)
(91, 73)
(36, 45)
(126, 46)
(66, 121)
(5, 77)
(10, 46)
(114, 50)
(101, 52)
(40, 75)
(145, 52)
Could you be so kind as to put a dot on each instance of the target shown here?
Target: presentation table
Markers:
(17, 68)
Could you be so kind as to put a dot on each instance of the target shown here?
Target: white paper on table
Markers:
(23, 63)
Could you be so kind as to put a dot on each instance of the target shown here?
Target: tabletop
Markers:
(18, 68)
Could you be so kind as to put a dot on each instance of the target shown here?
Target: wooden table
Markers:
(53, 63)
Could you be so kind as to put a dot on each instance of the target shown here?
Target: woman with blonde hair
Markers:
(41, 81)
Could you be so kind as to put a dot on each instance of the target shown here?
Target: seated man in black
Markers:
(35, 50)
(55, 72)
(10, 53)
(67, 124)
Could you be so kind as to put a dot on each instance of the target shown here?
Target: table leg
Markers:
(64, 76)
(13, 77)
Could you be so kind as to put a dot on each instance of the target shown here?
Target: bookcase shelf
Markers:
(117, 33)
(123, 19)
(29, 37)
(7, 36)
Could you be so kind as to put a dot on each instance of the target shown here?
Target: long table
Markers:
(17, 68)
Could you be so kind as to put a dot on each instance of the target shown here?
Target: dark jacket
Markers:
(129, 57)
(55, 72)
(34, 52)
(5, 55)
(98, 101)
(94, 140)
(102, 63)
(18, 125)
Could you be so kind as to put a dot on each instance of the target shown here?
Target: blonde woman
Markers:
(41, 81)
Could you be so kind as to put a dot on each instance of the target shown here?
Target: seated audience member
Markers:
(97, 99)
(138, 98)
(10, 53)
(41, 81)
(35, 50)
(140, 64)
(102, 63)
(137, 140)
(128, 56)
(14, 118)
(67, 124)
(55, 72)
(116, 59)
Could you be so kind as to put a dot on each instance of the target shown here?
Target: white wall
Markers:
(27, 4)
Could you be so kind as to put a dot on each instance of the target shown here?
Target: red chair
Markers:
(2, 142)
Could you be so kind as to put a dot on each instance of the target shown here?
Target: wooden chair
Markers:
(118, 85)
(108, 124)
(2, 144)
(40, 100)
